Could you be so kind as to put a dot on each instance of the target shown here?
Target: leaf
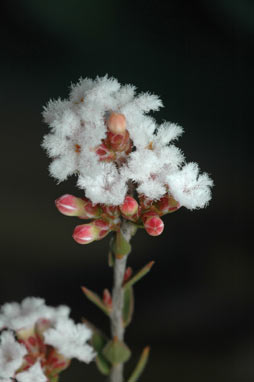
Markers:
(121, 246)
(140, 365)
(102, 364)
(95, 299)
(98, 341)
(139, 275)
(116, 351)
(128, 305)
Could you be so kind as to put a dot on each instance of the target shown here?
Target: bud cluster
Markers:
(106, 218)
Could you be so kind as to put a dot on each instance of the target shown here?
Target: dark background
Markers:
(196, 306)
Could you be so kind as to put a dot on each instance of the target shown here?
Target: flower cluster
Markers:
(37, 341)
(104, 135)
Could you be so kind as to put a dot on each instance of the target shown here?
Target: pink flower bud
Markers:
(102, 226)
(116, 123)
(85, 233)
(153, 223)
(167, 204)
(129, 206)
(69, 205)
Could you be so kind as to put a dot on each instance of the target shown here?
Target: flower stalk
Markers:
(116, 317)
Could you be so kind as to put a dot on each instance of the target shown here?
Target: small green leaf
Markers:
(121, 246)
(128, 305)
(102, 364)
(95, 299)
(98, 341)
(139, 275)
(140, 365)
(116, 352)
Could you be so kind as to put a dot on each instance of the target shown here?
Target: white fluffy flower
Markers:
(79, 126)
(189, 188)
(33, 374)
(11, 355)
(70, 340)
(17, 316)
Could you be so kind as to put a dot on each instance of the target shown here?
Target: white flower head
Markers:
(70, 340)
(80, 130)
(11, 355)
(33, 374)
(23, 315)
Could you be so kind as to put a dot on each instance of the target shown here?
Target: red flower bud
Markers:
(102, 226)
(153, 223)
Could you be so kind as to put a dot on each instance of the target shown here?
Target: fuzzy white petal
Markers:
(70, 340)
(33, 374)
(191, 189)
(11, 355)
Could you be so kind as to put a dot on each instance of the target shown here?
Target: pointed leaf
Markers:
(95, 299)
(128, 305)
(121, 246)
(140, 365)
(139, 275)
(102, 364)
(116, 352)
(98, 341)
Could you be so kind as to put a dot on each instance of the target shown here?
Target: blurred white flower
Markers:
(34, 374)
(11, 355)
(70, 340)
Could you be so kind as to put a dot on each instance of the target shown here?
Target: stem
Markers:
(117, 327)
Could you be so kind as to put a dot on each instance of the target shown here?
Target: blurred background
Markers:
(195, 308)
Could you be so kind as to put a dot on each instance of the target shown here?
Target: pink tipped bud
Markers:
(102, 227)
(69, 205)
(167, 204)
(85, 233)
(129, 206)
(127, 274)
(153, 223)
(107, 299)
(116, 123)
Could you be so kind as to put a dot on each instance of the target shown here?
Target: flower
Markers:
(11, 354)
(70, 339)
(103, 135)
(38, 341)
